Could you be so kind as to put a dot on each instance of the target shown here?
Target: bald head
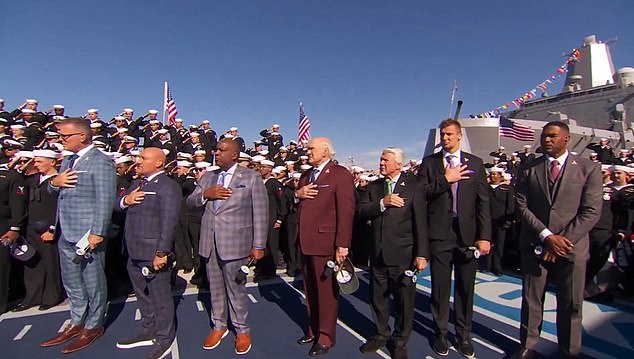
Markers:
(150, 161)
(227, 153)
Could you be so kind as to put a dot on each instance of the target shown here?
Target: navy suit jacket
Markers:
(150, 225)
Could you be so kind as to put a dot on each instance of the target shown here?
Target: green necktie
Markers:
(389, 184)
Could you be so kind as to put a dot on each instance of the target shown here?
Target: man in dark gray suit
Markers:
(234, 229)
(85, 189)
(153, 211)
(559, 201)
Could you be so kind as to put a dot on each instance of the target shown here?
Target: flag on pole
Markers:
(304, 125)
(509, 128)
(170, 106)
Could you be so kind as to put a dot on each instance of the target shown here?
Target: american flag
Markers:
(509, 128)
(170, 106)
(304, 125)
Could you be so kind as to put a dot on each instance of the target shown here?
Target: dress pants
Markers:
(42, 278)
(385, 281)
(5, 273)
(569, 280)
(228, 298)
(322, 299)
(446, 256)
(493, 260)
(268, 265)
(85, 284)
(154, 297)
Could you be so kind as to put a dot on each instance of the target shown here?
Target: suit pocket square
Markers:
(240, 186)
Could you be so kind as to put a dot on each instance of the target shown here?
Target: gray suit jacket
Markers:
(571, 211)
(89, 205)
(240, 222)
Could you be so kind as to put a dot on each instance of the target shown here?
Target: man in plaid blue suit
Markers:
(86, 193)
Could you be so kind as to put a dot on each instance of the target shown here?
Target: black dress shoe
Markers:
(440, 345)
(465, 347)
(523, 353)
(306, 339)
(372, 345)
(21, 307)
(46, 307)
(318, 350)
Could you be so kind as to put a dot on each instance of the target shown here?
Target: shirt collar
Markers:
(561, 159)
(84, 150)
(321, 167)
(231, 170)
(45, 177)
(457, 154)
(153, 175)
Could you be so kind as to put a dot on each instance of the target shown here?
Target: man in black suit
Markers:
(397, 209)
(459, 221)
(153, 211)
(559, 201)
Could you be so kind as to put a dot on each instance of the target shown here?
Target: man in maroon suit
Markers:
(325, 216)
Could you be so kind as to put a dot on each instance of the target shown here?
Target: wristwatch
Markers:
(51, 229)
(161, 254)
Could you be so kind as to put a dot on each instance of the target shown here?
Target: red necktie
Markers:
(554, 170)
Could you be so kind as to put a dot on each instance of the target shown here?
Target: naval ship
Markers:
(594, 101)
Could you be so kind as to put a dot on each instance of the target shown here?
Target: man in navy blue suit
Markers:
(153, 210)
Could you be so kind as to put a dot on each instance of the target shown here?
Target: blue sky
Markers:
(370, 73)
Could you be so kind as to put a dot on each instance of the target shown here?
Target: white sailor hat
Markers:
(290, 162)
(528, 146)
(277, 170)
(233, 129)
(30, 100)
(17, 127)
(122, 130)
(28, 110)
(305, 167)
(200, 153)
(92, 110)
(292, 142)
(3, 121)
(57, 147)
(162, 131)
(622, 150)
(152, 112)
(58, 118)
(178, 120)
(603, 139)
(165, 151)
(194, 134)
(495, 169)
(606, 168)
(128, 110)
(119, 118)
(621, 168)
(46, 154)
(244, 157)
(593, 154)
(184, 155)
(135, 152)
(95, 125)
(154, 122)
(264, 152)
(303, 157)
(257, 158)
(296, 175)
(206, 122)
(501, 147)
(24, 154)
(130, 139)
(275, 133)
(183, 164)
(283, 149)
(366, 178)
(228, 136)
(202, 164)
(58, 106)
(357, 169)
(515, 154)
(267, 163)
(51, 134)
(123, 159)
(275, 125)
(1, 100)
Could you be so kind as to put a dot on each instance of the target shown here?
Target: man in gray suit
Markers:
(234, 229)
(86, 194)
(559, 201)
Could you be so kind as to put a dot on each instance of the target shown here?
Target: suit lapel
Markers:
(542, 177)
(325, 172)
(570, 169)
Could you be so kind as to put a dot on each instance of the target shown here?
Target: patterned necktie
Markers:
(313, 175)
(554, 170)
(221, 181)
(71, 160)
(454, 186)
(142, 183)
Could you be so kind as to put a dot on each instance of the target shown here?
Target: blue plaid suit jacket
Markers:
(89, 205)
(238, 223)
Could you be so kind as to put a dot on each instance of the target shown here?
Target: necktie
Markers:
(554, 170)
(313, 175)
(142, 183)
(389, 186)
(454, 186)
(71, 160)
(221, 181)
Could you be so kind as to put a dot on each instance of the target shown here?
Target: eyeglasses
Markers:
(67, 135)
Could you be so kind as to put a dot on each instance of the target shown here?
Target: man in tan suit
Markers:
(559, 201)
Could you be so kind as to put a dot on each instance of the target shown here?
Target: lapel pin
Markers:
(574, 162)
(403, 184)
(327, 171)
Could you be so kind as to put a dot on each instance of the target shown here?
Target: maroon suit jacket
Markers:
(325, 222)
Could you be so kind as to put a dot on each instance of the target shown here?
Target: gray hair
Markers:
(399, 155)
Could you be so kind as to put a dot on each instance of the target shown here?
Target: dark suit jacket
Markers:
(398, 234)
(474, 216)
(150, 225)
(325, 222)
(571, 211)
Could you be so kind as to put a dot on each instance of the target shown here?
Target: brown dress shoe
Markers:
(243, 343)
(86, 338)
(67, 334)
(214, 338)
